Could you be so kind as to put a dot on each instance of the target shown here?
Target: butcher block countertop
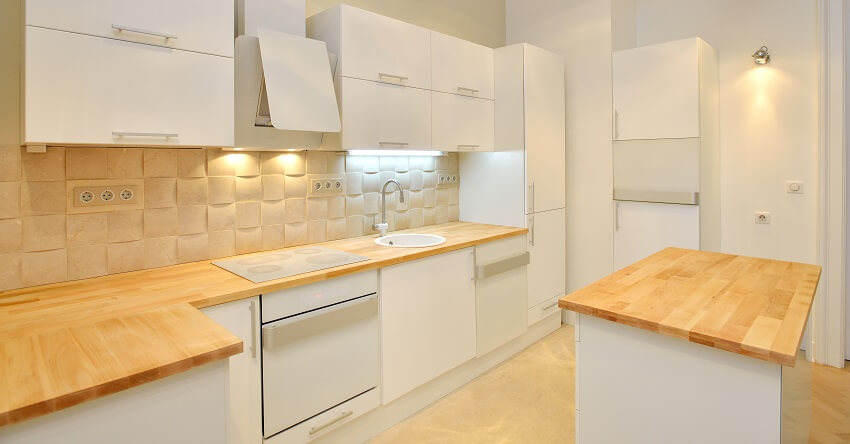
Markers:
(746, 305)
(63, 344)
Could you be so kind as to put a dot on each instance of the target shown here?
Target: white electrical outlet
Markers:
(446, 179)
(85, 196)
(794, 186)
(762, 217)
(326, 184)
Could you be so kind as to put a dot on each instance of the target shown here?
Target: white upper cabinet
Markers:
(657, 91)
(461, 67)
(194, 25)
(461, 123)
(81, 89)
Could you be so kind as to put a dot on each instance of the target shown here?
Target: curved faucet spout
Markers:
(383, 226)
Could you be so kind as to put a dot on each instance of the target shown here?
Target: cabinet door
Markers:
(427, 320)
(548, 266)
(195, 25)
(375, 47)
(379, 115)
(643, 228)
(656, 91)
(461, 67)
(461, 123)
(545, 137)
(81, 89)
(242, 318)
(501, 292)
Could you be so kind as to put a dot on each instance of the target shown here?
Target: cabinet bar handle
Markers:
(392, 76)
(467, 147)
(317, 429)
(254, 322)
(531, 230)
(616, 216)
(472, 265)
(469, 90)
(143, 31)
(137, 134)
(393, 143)
(531, 198)
(616, 125)
(550, 305)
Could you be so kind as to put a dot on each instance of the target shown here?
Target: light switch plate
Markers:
(794, 186)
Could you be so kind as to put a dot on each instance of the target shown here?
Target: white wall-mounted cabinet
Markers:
(461, 123)
(193, 25)
(81, 89)
(461, 67)
(427, 320)
(644, 228)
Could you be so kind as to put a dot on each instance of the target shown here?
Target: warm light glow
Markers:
(394, 153)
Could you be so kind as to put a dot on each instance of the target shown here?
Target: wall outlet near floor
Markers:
(794, 186)
(762, 217)
(323, 185)
(92, 196)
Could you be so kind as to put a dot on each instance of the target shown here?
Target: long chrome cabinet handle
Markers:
(616, 216)
(469, 90)
(387, 142)
(531, 198)
(472, 265)
(550, 305)
(317, 429)
(616, 125)
(138, 134)
(467, 147)
(392, 76)
(144, 31)
(270, 329)
(254, 321)
(531, 230)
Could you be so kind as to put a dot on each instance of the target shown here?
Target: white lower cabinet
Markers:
(501, 292)
(461, 123)
(547, 245)
(242, 318)
(644, 228)
(427, 320)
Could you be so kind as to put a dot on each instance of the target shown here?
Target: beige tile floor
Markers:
(529, 399)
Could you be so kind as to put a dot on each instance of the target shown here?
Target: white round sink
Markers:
(410, 240)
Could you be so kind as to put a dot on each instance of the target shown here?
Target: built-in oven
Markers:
(321, 350)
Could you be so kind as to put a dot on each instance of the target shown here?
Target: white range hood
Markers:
(284, 90)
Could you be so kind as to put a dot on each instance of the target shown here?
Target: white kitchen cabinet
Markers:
(379, 115)
(657, 91)
(374, 47)
(194, 25)
(643, 228)
(547, 245)
(461, 67)
(242, 318)
(427, 320)
(461, 123)
(501, 292)
(81, 89)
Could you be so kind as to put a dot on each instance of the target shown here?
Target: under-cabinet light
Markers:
(394, 153)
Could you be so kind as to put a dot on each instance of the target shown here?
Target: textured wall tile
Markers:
(454, 196)
(336, 207)
(317, 231)
(44, 166)
(384, 177)
(10, 236)
(454, 213)
(442, 214)
(10, 272)
(125, 163)
(442, 162)
(247, 164)
(429, 180)
(453, 161)
(296, 163)
(44, 267)
(86, 229)
(429, 198)
(371, 182)
(221, 190)
(160, 222)
(295, 186)
(249, 189)
(429, 215)
(295, 210)
(402, 220)
(10, 165)
(160, 162)
(443, 196)
(272, 163)
(273, 187)
(295, 234)
(221, 217)
(122, 257)
(371, 164)
(386, 163)
(10, 199)
(317, 162)
(354, 205)
(221, 163)
(417, 217)
(336, 162)
(403, 179)
(415, 163)
(86, 261)
(416, 199)
(247, 214)
(272, 237)
(402, 164)
(125, 226)
(86, 163)
(402, 206)
(416, 180)
(160, 192)
(337, 228)
(271, 212)
(317, 208)
(40, 233)
(429, 163)
(192, 219)
(222, 243)
(42, 198)
(191, 163)
(191, 191)
(354, 183)
(160, 251)
(354, 226)
(249, 240)
(192, 248)
(371, 203)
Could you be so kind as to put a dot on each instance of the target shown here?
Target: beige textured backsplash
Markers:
(198, 204)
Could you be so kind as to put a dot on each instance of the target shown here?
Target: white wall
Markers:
(768, 114)
(580, 30)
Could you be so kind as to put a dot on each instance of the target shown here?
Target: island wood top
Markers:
(63, 344)
(746, 305)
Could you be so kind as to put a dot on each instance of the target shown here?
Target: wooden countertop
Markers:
(63, 344)
(746, 305)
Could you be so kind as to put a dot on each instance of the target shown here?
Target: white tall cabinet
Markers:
(666, 149)
(523, 182)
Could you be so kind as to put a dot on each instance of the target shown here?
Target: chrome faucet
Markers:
(383, 226)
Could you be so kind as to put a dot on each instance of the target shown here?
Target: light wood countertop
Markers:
(750, 306)
(63, 344)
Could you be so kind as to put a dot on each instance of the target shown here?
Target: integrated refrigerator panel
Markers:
(644, 228)
(668, 165)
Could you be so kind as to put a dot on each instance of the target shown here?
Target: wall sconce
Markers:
(761, 56)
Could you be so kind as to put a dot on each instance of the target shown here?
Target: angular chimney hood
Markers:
(285, 96)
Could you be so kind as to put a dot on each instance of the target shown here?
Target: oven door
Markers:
(316, 360)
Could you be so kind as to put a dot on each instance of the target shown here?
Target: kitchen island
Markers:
(692, 346)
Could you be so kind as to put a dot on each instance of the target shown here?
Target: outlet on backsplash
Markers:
(94, 196)
(323, 185)
(447, 179)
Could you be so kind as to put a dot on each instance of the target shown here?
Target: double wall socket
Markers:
(319, 185)
(88, 196)
(447, 179)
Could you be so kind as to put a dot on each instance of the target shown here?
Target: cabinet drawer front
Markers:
(328, 421)
(195, 25)
(374, 47)
(283, 303)
(461, 67)
(461, 123)
(542, 310)
(378, 115)
(81, 89)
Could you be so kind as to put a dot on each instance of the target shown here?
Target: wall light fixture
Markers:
(761, 56)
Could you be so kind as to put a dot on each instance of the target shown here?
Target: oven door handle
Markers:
(270, 330)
